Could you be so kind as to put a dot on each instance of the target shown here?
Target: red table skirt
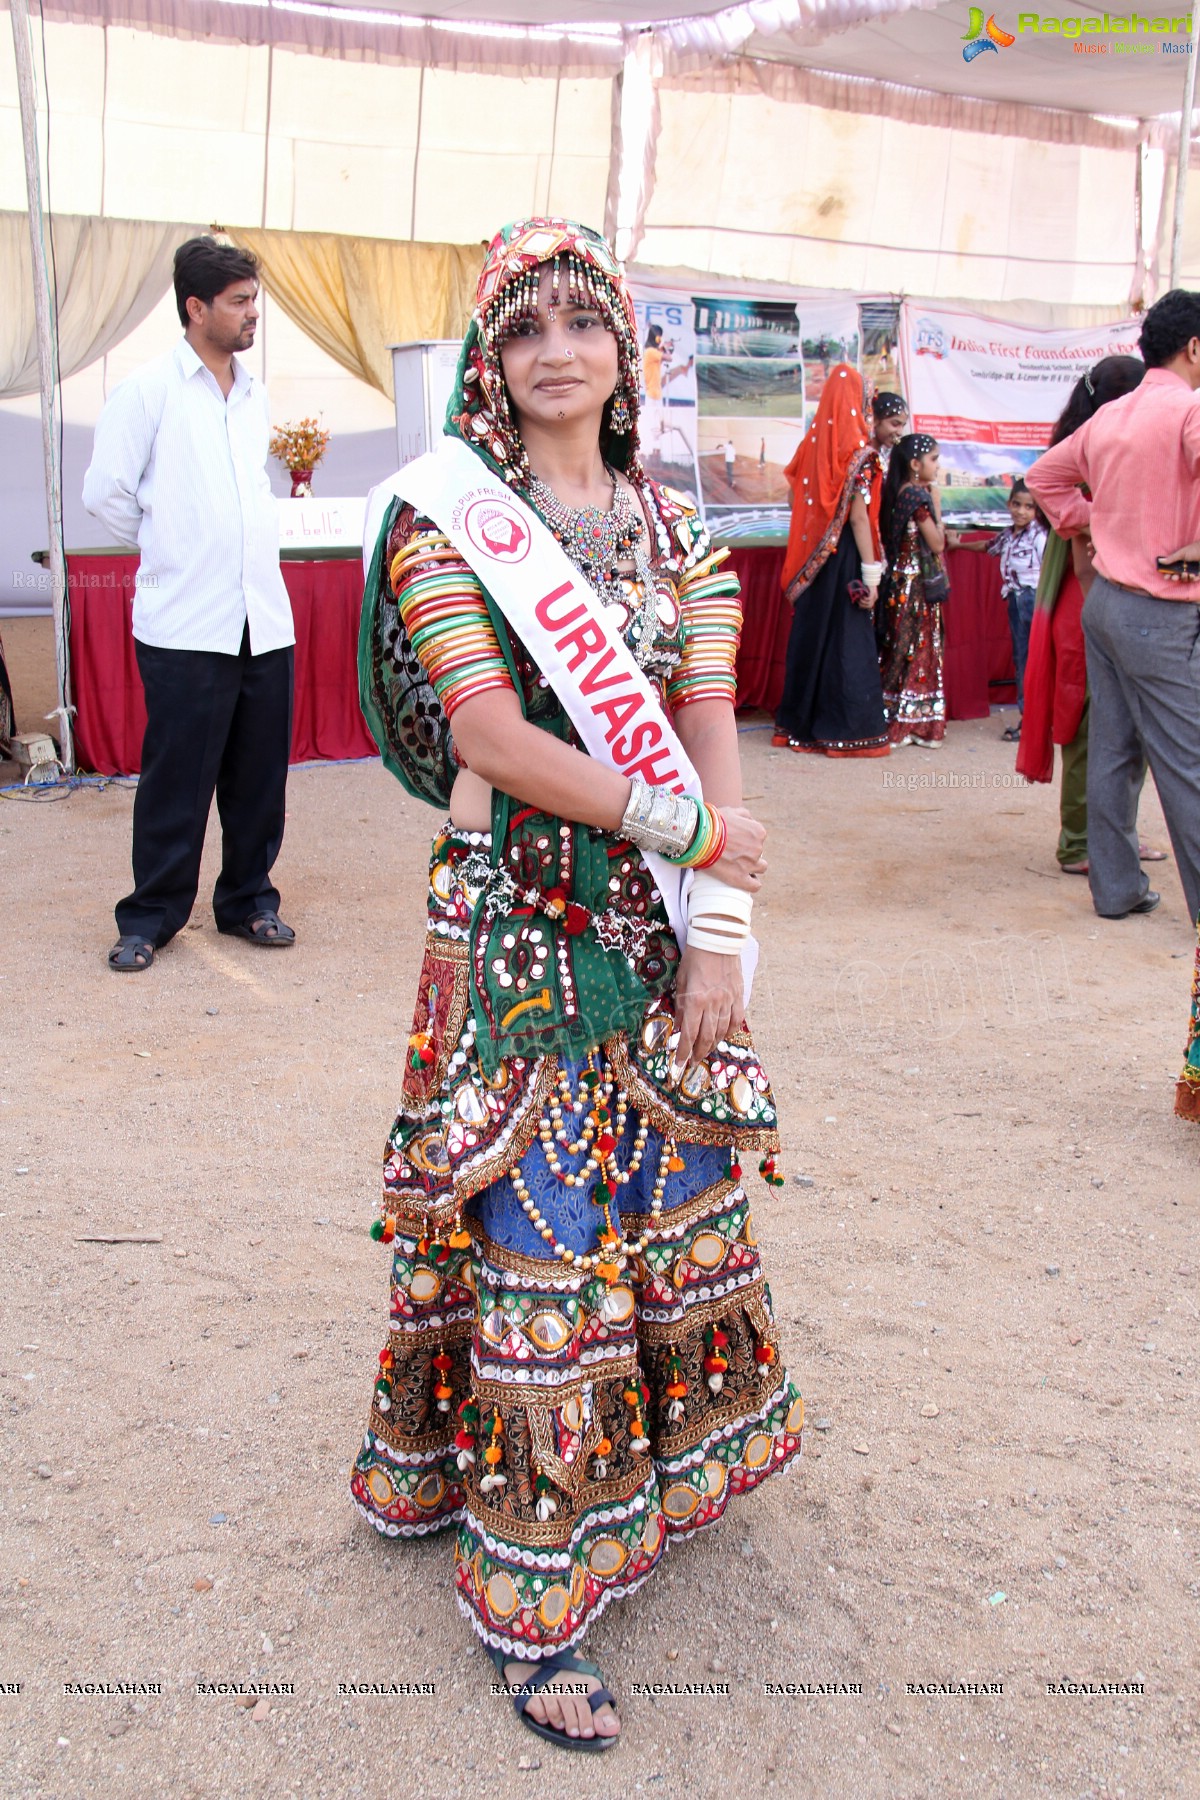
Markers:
(978, 661)
(326, 597)
(110, 719)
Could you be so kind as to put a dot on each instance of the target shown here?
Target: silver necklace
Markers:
(597, 543)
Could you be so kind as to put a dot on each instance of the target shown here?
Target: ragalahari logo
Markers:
(983, 37)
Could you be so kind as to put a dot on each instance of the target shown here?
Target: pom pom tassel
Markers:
(493, 1455)
(636, 1397)
(443, 1393)
(677, 1387)
(717, 1360)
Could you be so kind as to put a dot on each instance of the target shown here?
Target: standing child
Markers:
(908, 621)
(1020, 547)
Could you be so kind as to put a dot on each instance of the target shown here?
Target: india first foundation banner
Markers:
(990, 392)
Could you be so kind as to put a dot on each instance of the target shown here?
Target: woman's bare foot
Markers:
(569, 1712)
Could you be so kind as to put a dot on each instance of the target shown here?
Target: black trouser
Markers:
(213, 722)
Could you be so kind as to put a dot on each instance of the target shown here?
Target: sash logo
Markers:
(497, 530)
(980, 37)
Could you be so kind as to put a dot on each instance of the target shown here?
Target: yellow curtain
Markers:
(355, 296)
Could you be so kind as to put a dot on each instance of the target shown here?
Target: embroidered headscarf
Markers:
(822, 477)
(585, 271)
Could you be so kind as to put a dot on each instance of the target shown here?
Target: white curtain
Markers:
(865, 203)
(110, 274)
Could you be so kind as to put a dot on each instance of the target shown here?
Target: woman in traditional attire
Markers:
(909, 616)
(1056, 691)
(832, 701)
(581, 1361)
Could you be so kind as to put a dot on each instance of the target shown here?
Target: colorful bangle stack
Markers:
(708, 845)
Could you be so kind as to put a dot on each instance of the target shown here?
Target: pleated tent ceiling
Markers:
(829, 142)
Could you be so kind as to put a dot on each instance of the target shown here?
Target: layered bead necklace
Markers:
(593, 1120)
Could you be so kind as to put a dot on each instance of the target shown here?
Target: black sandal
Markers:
(126, 952)
(1012, 735)
(265, 928)
(563, 1662)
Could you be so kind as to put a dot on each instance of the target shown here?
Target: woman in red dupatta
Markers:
(832, 700)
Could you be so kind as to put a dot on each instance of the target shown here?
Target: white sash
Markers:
(566, 629)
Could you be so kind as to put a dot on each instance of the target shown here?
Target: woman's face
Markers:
(925, 467)
(561, 367)
(890, 431)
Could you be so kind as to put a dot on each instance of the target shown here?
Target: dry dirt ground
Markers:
(986, 1282)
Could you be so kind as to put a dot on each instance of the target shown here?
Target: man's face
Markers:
(229, 321)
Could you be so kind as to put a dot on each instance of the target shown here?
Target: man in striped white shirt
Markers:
(179, 468)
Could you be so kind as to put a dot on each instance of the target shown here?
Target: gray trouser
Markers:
(1143, 664)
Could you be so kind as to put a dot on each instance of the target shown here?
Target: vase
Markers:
(302, 484)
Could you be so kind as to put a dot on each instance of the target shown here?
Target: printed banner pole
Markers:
(1185, 148)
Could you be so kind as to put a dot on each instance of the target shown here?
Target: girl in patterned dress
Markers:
(909, 616)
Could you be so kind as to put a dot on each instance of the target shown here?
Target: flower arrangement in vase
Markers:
(299, 448)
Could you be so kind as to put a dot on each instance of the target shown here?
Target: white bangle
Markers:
(872, 573)
(718, 916)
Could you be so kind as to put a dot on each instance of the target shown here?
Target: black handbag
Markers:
(934, 578)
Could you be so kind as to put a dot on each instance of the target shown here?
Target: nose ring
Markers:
(568, 356)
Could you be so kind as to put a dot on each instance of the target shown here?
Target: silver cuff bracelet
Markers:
(655, 819)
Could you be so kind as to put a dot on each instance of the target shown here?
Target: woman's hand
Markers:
(742, 864)
(709, 1003)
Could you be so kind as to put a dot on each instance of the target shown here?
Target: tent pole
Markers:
(1185, 145)
(42, 316)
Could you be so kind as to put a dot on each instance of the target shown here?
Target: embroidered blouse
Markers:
(445, 615)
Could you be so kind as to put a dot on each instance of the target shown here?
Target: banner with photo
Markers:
(990, 392)
(731, 381)
(667, 334)
(761, 367)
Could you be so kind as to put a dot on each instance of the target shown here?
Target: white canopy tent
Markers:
(312, 114)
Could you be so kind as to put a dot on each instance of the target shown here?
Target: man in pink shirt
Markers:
(1138, 459)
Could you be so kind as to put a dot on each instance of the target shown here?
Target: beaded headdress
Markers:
(584, 272)
(889, 406)
(917, 443)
